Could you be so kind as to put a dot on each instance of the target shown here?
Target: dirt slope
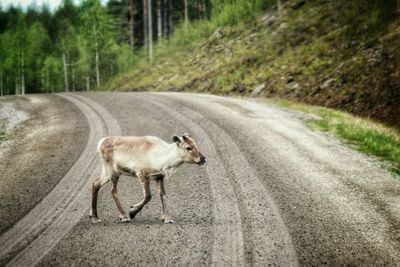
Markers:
(339, 54)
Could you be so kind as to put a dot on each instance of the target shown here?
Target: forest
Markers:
(81, 46)
(123, 44)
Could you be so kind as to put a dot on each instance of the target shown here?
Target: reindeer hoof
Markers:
(124, 218)
(167, 219)
(95, 220)
(133, 213)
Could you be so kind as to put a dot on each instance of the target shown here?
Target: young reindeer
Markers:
(146, 157)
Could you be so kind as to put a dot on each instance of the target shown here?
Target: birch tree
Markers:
(159, 20)
(132, 23)
(165, 18)
(20, 46)
(279, 4)
(145, 26)
(186, 11)
(150, 28)
(97, 30)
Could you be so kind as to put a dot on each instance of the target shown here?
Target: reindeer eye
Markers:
(188, 148)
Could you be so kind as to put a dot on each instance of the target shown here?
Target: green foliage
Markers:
(34, 44)
(225, 13)
(2, 137)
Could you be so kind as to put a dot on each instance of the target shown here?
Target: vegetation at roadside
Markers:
(338, 54)
(2, 137)
(72, 48)
(367, 136)
(2, 134)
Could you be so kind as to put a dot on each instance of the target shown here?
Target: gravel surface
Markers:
(273, 192)
(46, 136)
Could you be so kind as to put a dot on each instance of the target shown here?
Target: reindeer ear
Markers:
(177, 139)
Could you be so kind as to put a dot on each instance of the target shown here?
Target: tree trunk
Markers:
(16, 84)
(132, 23)
(48, 82)
(73, 78)
(186, 13)
(1, 85)
(170, 19)
(279, 3)
(198, 7)
(165, 18)
(22, 75)
(65, 73)
(150, 31)
(159, 20)
(87, 83)
(145, 27)
(208, 9)
(97, 67)
(42, 83)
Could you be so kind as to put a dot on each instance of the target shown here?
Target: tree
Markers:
(38, 45)
(51, 71)
(150, 28)
(186, 11)
(159, 20)
(98, 31)
(279, 4)
(69, 52)
(165, 18)
(145, 26)
(20, 46)
(132, 22)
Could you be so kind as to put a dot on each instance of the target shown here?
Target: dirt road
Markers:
(272, 193)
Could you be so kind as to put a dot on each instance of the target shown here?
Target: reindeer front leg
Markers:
(114, 192)
(161, 190)
(135, 209)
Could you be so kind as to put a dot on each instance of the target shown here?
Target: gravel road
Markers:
(48, 137)
(272, 193)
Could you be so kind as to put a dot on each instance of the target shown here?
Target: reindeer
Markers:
(147, 158)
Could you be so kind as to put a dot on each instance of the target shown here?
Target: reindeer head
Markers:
(189, 150)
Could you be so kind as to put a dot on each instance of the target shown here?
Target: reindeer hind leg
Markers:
(96, 185)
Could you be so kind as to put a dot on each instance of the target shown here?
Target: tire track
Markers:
(228, 247)
(40, 230)
(330, 221)
(266, 235)
(266, 239)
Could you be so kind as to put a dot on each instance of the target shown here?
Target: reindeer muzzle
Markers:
(202, 161)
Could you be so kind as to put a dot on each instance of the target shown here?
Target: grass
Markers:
(293, 58)
(2, 137)
(2, 134)
(367, 136)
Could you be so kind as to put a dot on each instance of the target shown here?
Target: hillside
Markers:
(339, 54)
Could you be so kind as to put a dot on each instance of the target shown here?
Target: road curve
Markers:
(272, 193)
(41, 229)
(265, 237)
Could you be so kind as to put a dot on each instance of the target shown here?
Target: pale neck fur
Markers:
(171, 158)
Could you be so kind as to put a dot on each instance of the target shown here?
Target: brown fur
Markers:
(126, 144)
